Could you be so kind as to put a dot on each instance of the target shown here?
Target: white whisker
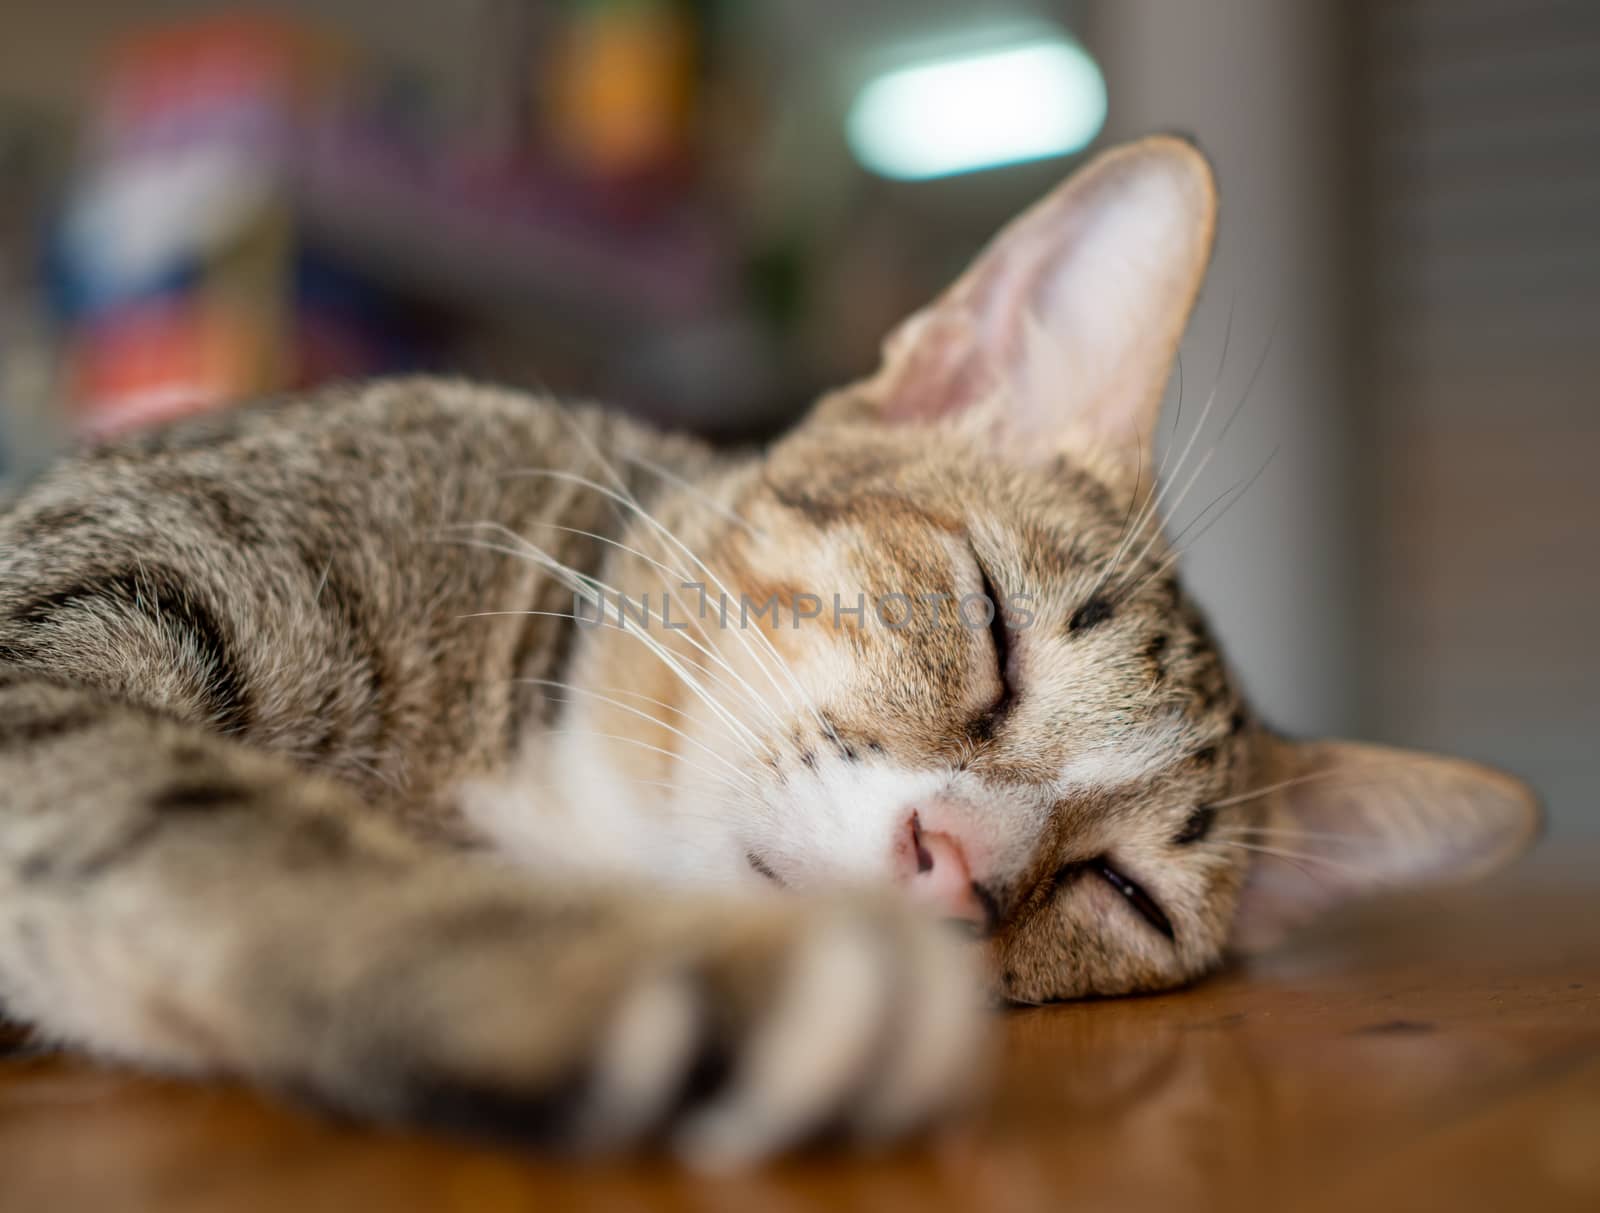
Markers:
(704, 671)
(1178, 552)
(721, 585)
(1152, 511)
(631, 501)
(1250, 384)
(1288, 832)
(1313, 777)
(694, 490)
(1216, 445)
(642, 715)
(752, 696)
(593, 590)
(1286, 854)
(645, 745)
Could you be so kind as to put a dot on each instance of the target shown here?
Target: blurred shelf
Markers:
(486, 239)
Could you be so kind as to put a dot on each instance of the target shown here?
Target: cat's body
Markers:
(309, 774)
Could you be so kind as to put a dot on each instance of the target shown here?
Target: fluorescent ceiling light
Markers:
(973, 111)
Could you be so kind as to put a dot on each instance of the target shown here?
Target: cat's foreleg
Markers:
(173, 898)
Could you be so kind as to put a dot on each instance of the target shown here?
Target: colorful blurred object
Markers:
(257, 208)
(620, 94)
(174, 257)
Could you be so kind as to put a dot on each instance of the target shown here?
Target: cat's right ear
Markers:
(1063, 332)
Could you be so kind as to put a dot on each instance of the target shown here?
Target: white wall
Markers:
(1257, 83)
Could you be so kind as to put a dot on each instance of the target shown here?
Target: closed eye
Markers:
(1142, 903)
(1196, 826)
(1000, 637)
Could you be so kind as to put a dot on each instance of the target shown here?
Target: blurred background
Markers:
(707, 211)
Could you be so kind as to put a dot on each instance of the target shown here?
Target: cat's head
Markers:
(1076, 772)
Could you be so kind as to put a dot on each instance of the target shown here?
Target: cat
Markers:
(440, 754)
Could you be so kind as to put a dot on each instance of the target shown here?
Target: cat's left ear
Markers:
(1065, 328)
(1347, 819)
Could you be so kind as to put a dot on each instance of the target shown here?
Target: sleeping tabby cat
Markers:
(442, 754)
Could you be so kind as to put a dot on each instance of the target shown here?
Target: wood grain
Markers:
(1433, 1052)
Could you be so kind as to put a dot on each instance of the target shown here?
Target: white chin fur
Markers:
(565, 808)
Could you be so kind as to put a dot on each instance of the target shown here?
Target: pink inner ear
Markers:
(934, 369)
(1360, 818)
(972, 347)
(1068, 322)
(1276, 899)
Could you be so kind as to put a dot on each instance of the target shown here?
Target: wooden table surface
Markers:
(1438, 1052)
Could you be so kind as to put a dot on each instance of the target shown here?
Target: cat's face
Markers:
(1041, 770)
(941, 646)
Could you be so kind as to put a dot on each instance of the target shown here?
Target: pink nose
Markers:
(938, 875)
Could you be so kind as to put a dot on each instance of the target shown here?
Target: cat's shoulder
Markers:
(400, 404)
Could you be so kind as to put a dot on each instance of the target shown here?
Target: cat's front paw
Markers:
(861, 1021)
(727, 1031)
